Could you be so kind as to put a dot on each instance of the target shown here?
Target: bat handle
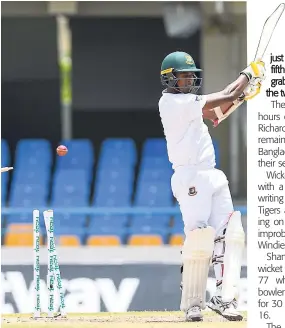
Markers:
(254, 66)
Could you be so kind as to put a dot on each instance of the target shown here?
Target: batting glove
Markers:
(252, 90)
(255, 72)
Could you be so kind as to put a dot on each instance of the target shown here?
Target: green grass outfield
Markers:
(145, 319)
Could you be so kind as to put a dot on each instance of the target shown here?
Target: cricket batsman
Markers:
(213, 230)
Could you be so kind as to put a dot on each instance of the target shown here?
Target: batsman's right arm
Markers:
(221, 104)
(224, 98)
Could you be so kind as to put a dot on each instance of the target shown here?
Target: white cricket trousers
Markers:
(203, 196)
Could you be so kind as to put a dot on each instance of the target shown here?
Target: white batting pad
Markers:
(234, 246)
(196, 255)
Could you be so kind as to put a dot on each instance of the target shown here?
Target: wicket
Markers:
(53, 271)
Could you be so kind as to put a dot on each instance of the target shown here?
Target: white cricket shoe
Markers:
(194, 314)
(226, 309)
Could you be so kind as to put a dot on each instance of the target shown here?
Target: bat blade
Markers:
(267, 31)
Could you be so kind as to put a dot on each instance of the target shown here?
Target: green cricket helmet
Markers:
(179, 62)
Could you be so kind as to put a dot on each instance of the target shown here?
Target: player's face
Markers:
(185, 80)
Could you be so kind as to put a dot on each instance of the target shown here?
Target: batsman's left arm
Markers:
(227, 101)
(218, 114)
(244, 88)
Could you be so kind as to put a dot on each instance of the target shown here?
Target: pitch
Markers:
(120, 320)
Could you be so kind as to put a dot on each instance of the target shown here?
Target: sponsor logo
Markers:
(37, 266)
(80, 294)
(55, 262)
(37, 226)
(51, 303)
(51, 264)
(38, 281)
(51, 229)
(37, 249)
(62, 305)
(52, 244)
(38, 305)
(58, 280)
